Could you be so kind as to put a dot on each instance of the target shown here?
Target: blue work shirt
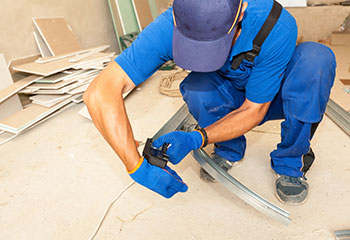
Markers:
(261, 80)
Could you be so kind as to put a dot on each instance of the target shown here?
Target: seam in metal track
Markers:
(179, 122)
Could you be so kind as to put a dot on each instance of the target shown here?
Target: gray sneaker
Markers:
(222, 162)
(291, 190)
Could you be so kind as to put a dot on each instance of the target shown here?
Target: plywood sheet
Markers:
(16, 87)
(143, 13)
(340, 38)
(57, 34)
(51, 68)
(338, 94)
(13, 103)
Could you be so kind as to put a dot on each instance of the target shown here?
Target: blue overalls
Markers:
(301, 101)
(297, 80)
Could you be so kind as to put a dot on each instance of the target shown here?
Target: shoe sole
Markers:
(290, 203)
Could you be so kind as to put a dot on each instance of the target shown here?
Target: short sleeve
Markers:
(266, 77)
(150, 50)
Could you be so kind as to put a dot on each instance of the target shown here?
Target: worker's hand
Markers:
(181, 143)
(166, 182)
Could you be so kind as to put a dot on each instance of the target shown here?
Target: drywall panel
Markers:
(126, 10)
(47, 69)
(143, 13)
(16, 87)
(57, 35)
(13, 103)
(43, 49)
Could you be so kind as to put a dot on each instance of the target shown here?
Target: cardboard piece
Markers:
(143, 13)
(16, 87)
(20, 121)
(51, 68)
(57, 35)
(12, 104)
(44, 51)
(340, 39)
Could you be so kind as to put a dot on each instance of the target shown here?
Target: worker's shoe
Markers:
(222, 162)
(291, 190)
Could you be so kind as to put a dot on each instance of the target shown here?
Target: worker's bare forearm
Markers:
(106, 106)
(237, 123)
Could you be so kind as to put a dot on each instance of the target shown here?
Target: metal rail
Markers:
(339, 116)
(342, 235)
(181, 121)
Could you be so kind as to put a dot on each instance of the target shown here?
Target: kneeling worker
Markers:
(246, 70)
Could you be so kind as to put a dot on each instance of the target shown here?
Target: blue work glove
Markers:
(181, 143)
(166, 182)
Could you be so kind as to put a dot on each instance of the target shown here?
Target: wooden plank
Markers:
(13, 103)
(340, 39)
(16, 87)
(57, 34)
(51, 68)
(44, 51)
(143, 13)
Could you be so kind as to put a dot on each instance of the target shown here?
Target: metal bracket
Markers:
(181, 121)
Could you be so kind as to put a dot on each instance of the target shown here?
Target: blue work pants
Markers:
(301, 102)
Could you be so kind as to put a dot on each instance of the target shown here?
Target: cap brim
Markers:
(201, 56)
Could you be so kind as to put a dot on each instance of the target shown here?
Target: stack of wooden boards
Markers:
(49, 82)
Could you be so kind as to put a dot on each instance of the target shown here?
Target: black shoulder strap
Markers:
(260, 38)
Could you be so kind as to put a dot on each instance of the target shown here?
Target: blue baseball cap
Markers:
(203, 32)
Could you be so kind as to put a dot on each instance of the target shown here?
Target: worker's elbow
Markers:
(88, 95)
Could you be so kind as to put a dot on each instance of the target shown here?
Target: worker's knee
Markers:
(308, 81)
(316, 62)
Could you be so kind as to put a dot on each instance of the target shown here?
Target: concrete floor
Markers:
(57, 179)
